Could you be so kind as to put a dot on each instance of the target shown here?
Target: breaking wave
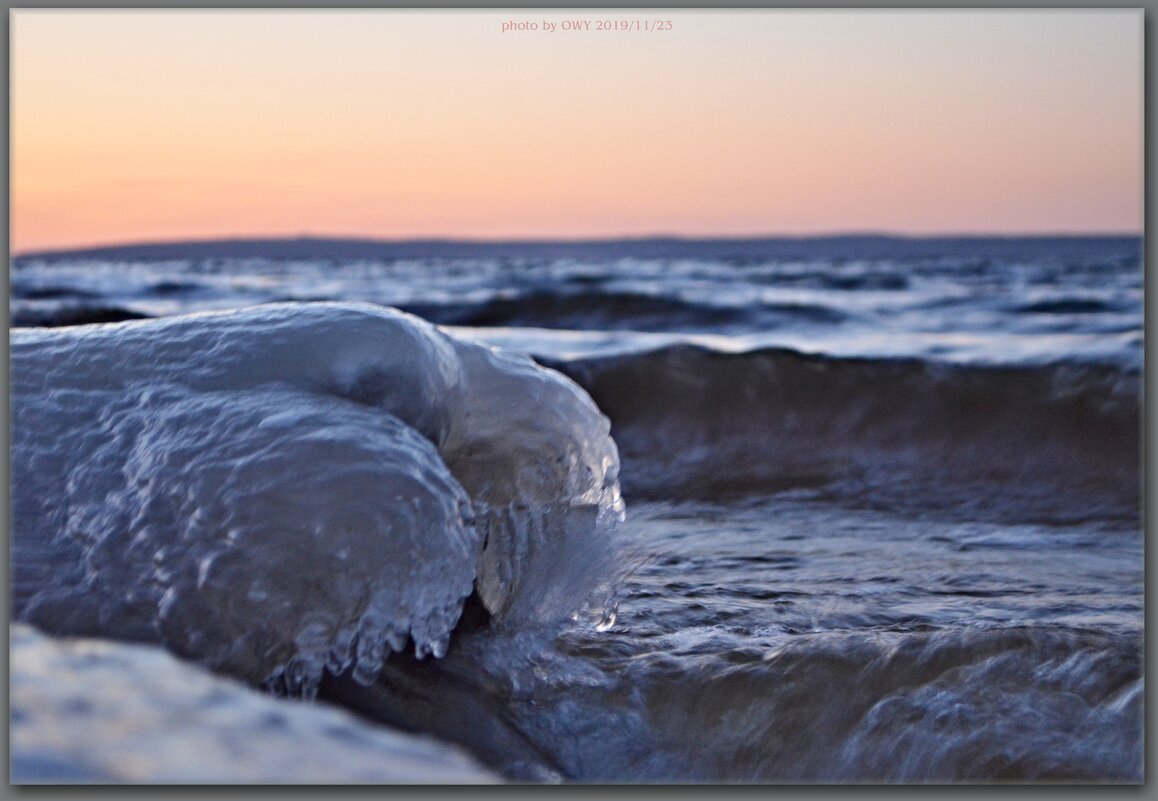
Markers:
(951, 705)
(1057, 442)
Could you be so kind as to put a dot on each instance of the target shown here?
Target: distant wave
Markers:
(608, 311)
(546, 308)
(58, 315)
(1053, 442)
(1067, 306)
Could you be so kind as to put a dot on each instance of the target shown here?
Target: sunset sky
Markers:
(155, 125)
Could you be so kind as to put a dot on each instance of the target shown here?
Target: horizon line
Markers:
(566, 240)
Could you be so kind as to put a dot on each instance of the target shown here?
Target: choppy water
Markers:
(983, 300)
(882, 496)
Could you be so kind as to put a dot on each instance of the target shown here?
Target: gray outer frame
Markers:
(1151, 304)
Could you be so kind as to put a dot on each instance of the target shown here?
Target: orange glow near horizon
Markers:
(161, 125)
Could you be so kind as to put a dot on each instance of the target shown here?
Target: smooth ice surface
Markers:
(96, 711)
(278, 491)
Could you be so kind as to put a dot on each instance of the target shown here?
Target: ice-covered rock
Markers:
(86, 710)
(296, 487)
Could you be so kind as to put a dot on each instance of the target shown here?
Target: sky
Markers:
(149, 125)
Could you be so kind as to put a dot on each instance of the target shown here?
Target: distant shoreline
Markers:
(851, 245)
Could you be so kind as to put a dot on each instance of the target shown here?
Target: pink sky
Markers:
(154, 125)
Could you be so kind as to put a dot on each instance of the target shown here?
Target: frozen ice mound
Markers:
(294, 488)
(94, 711)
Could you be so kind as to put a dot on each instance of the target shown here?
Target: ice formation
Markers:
(292, 488)
(95, 711)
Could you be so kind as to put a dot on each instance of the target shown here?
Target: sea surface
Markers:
(875, 514)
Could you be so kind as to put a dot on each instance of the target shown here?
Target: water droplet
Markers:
(607, 622)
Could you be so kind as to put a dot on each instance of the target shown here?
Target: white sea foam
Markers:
(293, 488)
